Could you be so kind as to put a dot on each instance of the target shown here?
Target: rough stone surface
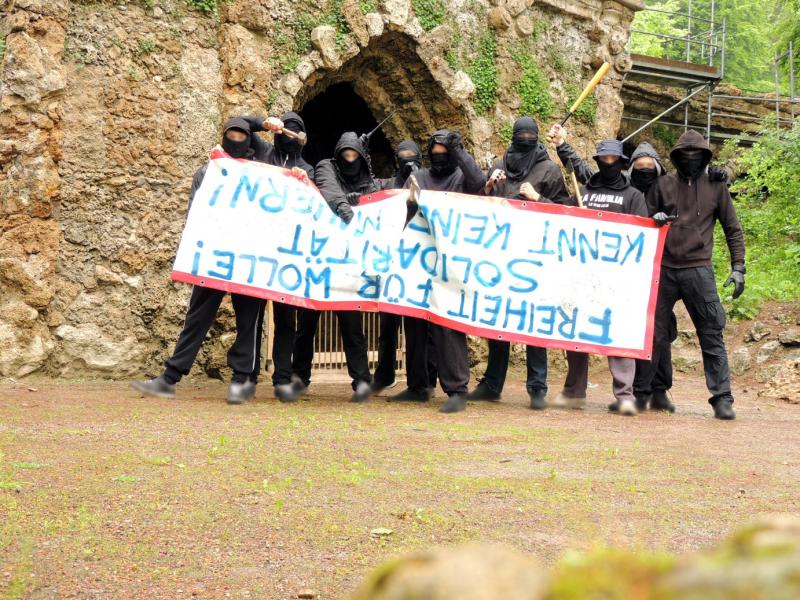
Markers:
(767, 351)
(790, 337)
(107, 109)
(757, 332)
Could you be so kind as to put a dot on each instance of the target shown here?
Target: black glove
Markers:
(345, 212)
(736, 279)
(353, 198)
(718, 174)
(661, 218)
(453, 141)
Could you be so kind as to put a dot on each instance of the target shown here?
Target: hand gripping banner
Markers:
(540, 274)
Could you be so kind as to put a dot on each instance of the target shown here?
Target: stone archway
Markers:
(391, 72)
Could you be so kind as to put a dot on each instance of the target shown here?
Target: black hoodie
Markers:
(620, 197)
(544, 175)
(274, 155)
(399, 179)
(466, 177)
(333, 184)
(698, 203)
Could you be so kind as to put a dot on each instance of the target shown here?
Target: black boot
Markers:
(455, 403)
(483, 393)
(723, 409)
(538, 399)
(659, 401)
(361, 393)
(642, 401)
(298, 385)
(158, 387)
(411, 395)
(285, 392)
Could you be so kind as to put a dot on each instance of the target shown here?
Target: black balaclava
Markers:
(236, 149)
(445, 163)
(690, 162)
(407, 165)
(611, 174)
(285, 144)
(523, 154)
(643, 179)
(348, 169)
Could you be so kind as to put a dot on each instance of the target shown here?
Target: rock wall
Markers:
(108, 107)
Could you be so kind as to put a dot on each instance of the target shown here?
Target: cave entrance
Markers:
(338, 108)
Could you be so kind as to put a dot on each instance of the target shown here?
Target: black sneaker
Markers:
(239, 393)
(298, 385)
(642, 401)
(538, 399)
(483, 393)
(377, 387)
(411, 395)
(614, 406)
(285, 392)
(659, 401)
(455, 403)
(157, 387)
(723, 409)
(361, 393)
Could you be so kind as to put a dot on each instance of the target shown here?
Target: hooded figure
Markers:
(694, 203)
(526, 161)
(451, 170)
(641, 174)
(409, 160)
(342, 182)
(286, 152)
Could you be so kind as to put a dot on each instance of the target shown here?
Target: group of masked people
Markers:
(692, 199)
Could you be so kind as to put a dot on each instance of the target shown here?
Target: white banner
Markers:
(541, 274)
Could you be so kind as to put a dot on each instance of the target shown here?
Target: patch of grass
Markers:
(367, 6)
(208, 7)
(559, 61)
(483, 72)
(533, 86)
(144, 46)
(431, 13)
(665, 134)
(506, 133)
(127, 478)
(2, 46)
(587, 111)
(158, 461)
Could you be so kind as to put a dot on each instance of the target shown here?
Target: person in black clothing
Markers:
(645, 168)
(409, 160)
(524, 173)
(285, 152)
(341, 180)
(608, 190)
(452, 170)
(693, 202)
(244, 355)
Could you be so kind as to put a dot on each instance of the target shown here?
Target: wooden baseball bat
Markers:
(598, 77)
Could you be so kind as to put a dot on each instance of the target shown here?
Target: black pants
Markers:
(497, 366)
(388, 340)
(697, 288)
(283, 339)
(244, 356)
(449, 350)
(645, 369)
(353, 340)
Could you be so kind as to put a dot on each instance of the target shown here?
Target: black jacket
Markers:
(584, 171)
(332, 183)
(545, 177)
(698, 203)
(467, 178)
(268, 153)
(621, 198)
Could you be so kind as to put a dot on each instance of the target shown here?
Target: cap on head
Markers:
(610, 148)
(236, 123)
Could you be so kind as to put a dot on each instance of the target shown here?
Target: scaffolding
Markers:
(695, 61)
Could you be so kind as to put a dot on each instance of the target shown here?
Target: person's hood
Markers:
(409, 145)
(236, 123)
(692, 140)
(349, 139)
(646, 150)
(294, 117)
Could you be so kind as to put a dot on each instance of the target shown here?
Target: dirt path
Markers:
(104, 494)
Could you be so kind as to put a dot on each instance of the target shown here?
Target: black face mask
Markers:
(689, 165)
(643, 179)
(408, 165)
(523, 145)
(610, 173)
(236, 149)
(440, 163)
(349, 169)
(287, 145)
